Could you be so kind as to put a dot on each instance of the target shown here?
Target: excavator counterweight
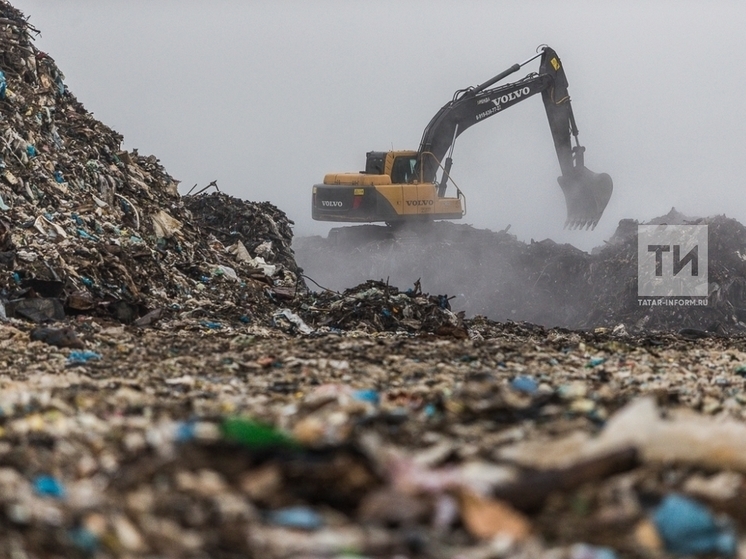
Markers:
(402, 186)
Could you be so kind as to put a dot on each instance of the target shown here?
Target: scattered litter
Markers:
(255, 435)
(48, 486)
(296, 517)
(688, 528)
(77, 357)
(60, 337)
(524, 384)
(584, 551)
(293, 318)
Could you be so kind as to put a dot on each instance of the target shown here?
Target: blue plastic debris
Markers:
(88, 282)
(31, 151)
(585, 551)
(59, 144)
(82, 356)
(3, 85)
(83, 539)
(211, 325)
(689, 528)
(368, 395)
(596, 361)
(59, 177)
(302, 518)
(185, 431)
(245, 319)
(47, 486)
(524, 384)
(85, 235)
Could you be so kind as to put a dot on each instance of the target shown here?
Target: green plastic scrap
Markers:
(253, 434)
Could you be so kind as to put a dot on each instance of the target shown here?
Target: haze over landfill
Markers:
(268, 97)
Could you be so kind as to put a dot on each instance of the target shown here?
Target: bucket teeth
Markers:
(586, 195)
(586, 223)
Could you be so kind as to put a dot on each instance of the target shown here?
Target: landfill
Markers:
(496, 275)
(86, 227)
(177, 381)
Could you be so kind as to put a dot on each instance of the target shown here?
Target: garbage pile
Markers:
(613, 281)
(390, 427)
(522, 443)
(375, 306)
(86, 227)
(246, 228)
(493, 274)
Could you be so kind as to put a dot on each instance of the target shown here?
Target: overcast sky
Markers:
(268, 96)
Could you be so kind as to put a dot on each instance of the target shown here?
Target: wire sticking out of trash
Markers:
(213, 183)
(319, 285)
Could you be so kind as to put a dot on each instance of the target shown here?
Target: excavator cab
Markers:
(403, 170)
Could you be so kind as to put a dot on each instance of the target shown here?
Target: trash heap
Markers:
(493, 274)
(523, 442)
(86, 227)
(223, 433)
(246, 228)
(375, 306)
(613, 281)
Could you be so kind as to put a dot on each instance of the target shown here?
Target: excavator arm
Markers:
(586, 193)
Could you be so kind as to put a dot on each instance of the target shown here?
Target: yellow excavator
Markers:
(399, 187)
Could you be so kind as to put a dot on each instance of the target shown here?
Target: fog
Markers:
(267, 97)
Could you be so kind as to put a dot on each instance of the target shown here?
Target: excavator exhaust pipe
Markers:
(586, 196)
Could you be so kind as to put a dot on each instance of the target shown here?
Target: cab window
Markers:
(403, 170)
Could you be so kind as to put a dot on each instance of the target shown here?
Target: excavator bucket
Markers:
(586, 196)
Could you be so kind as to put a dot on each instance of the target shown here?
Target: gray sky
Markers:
(268, 96)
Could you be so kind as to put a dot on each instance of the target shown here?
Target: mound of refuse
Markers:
(87, 227)
(378, 307)
(495, 275)
(243, 228)
(613, 281)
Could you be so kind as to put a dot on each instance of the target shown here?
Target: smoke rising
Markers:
(487, 273)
